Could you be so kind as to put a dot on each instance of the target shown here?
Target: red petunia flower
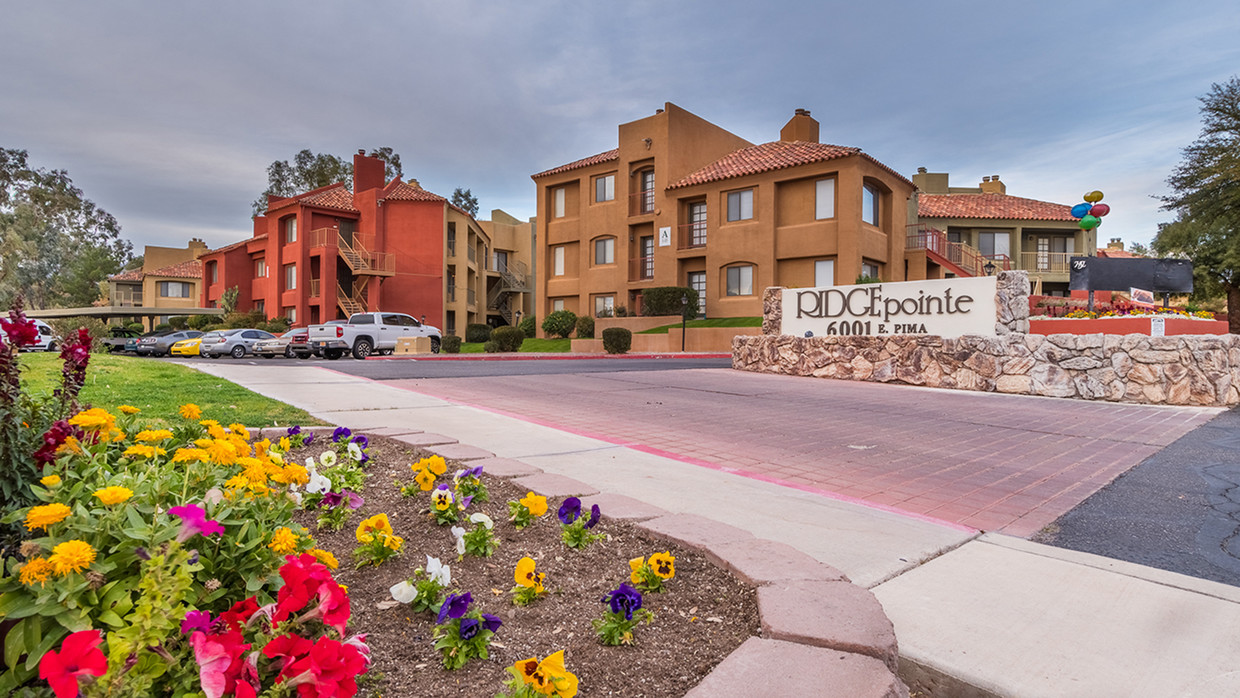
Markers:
(79, 656)
(329, 671)
(240, 613)
(306, 580)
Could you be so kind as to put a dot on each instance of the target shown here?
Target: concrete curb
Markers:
(557, 356)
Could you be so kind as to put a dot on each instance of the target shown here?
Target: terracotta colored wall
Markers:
(1125, 325)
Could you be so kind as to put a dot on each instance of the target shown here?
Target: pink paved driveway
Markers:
(987, 461)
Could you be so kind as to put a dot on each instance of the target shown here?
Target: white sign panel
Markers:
(945, 307)
(665, 236)
(1158, 327)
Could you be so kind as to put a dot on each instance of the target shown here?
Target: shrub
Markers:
(136, 327)
(477, 332)
(490, 346)
(585, 327)
(621, 311)
(197, 322)
(278, 325)
(507, 338)
(450, 344)
(666, 300)
(254, 318)
(66, 327)
(178, 322)
(163, 327)
(863, 279)
(617, 340)
(528, 326)
(560, 323)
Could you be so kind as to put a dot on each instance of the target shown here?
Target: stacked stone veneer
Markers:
(1179, 370)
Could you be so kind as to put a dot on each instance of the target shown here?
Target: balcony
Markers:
(315, 288)
(451, 290)
(128, 299)
(471, 297)
(691, 235)
(641, 203)
(641, 269)
(473, 254)
(451, 247)
(957, 256)
(1047, 262)
(354, 249)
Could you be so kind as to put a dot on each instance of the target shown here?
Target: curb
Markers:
(821, 634)
(558, 356)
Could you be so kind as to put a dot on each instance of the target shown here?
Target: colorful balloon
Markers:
(1081, 210)
(1089, 223)
(1093, 197)
(1099, 210)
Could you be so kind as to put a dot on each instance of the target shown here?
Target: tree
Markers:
(466, 201)
(313, 170)
(55, 244)
(1206, 197)
(1139, 249)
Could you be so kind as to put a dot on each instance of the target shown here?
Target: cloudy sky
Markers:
(167, 114)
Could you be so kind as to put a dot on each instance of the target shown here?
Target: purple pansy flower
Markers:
(361, 441)
(331, 499)
(196, 620)
(194, 521)
(341, 433)
(309, 438)
(454, 606)
(294, 430)
(624, 600)
(594, 513)
(491, 622)
(570, 510)
(469, 628)
(465, 502)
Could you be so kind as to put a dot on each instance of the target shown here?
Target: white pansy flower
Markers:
(355, 451)
(404, 592)
(459, 533)
(318, 484)
(436, 570)
(327, 458)
(482, 519)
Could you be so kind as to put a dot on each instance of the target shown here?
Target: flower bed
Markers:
(1173, 324)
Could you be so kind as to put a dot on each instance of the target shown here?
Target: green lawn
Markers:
(709, 322)
(159, 389)
(529, 345)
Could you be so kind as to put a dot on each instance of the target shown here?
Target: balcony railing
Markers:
(127, 298)
(968, 259)
(315, 285)
(1047, 262)
(473, 254)
(355, 248)
(641, 203)
(471, 297)
(451, 291)
(691, 235)
(641, 268)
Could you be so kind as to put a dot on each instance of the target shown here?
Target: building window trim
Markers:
(290, 230)
(290, 277)
(740, 205)
(604, 251)
(605, 306)
(740, 279)
(871, 204)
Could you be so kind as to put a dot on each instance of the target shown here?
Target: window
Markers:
(499, 261)
(290, 230)
(824, 198)
(290, 277)
(992, 244)
(260, 268)
(558, 196)
(215, 272)
(451, 239)
(869, 269)
(740, 205)
(740, 281)
(174, 289)
(605, 188)
(869, 204)
(645, 191)
(261, 306)
(558, 263)
(604, 306)
(557, 304)
(824, 272)
(697, 224)
(697, 282)
(290, 314)
(605, 251)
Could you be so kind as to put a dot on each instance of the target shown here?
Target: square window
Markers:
(605, 188)
(740, 281)
(869, 269)
(740, 205)
(604, 306)
(557, 304)
(824, 199)
(869, 204)
(558, 196)
(260, 268)
(605, 251)
(558, 263)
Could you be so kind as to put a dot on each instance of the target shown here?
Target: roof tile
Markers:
(765, 157)
(996, 206)
(578, 164)
(403, 191)
(335, 196)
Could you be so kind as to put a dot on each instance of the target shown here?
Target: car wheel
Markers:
(303, 356)
(269, 356)
(288, 353)
(434, 345)
(51, 346)
(333, 354)
(362, 348)
(238, 351)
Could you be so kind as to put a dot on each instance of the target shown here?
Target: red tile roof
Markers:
(131, 275)
(334, 196)
(1000, 206)
(578, 164)
(1117, 254)
(182, 270)
(235, 245)
(403, 191)
(765, 157)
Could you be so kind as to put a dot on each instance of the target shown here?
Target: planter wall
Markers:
(1174, 325)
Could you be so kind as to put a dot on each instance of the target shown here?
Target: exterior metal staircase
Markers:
(513, 281)
(957, 257)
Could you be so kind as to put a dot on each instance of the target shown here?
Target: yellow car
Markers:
(186, 347)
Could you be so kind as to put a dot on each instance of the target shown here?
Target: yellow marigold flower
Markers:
(537, 504)
(184, 455)
(190, 411)
(367, 529)
(393, 542)
(153, 435)
(284, 541)
(240, 431)
(45, 515)
(216, 431)
(36, 570)
(262, 447)
(236, 482)
(94, 419)
(293, 474)
(635, 567)
(71, 556)
(116, 435)
(663, 564)
(222, 452)
(325, 557)
(113, 495)
(50, 481)
(143, 451)
(425, 479)
(128, 409)
(70, 445)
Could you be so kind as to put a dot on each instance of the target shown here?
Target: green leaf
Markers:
(111, 619)
(53, 636)
(15, 644)
(17, 605)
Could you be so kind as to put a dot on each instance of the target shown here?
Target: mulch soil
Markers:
(703, 615)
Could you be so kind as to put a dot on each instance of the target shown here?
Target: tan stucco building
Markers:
(170, 278)
(683, 202)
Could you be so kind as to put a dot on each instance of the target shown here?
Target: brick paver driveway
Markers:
(987, 461)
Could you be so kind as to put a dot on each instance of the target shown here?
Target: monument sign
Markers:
(943, 307)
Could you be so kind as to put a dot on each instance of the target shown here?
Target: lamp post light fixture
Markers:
(684, 316)
(989, 268)
(518, 322)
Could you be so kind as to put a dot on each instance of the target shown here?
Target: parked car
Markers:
(187, 347)
(279, 346)
(131, 344)
(367, 333)
(161, 344)
(236, 343)
(46, 341)
(117, 336)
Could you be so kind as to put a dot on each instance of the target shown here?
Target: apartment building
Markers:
(957, 231)
(170, 278)
(391, 246)
(683, 202)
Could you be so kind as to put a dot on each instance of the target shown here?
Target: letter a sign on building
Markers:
(944, 307)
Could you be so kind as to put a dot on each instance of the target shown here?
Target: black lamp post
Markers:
(684, 316)
(989, 268)
(518, 318)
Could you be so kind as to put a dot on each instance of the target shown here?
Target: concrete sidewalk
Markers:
(989, 615)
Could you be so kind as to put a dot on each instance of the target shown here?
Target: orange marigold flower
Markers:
(325, 557)
(50, 481)
(191, 411)
(113, 495)
(46, 514)
(128, 409)
(36, 570)
(94, 419)
(153, 435)
(284, 541)
(71, 556)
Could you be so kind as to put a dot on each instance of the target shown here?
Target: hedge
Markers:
(561, 323)
(617, 340)
(585, 327)
(507, 338)
(666, 300)
(450, 344)
(477, 332)
(528, 326)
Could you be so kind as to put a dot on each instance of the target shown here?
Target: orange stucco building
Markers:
(683, 202)
(389, 246)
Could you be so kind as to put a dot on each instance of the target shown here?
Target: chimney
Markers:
(992, 185)
(414, 183)
(368, 172)
(1116, 244)
(930, 182)
(801, 127)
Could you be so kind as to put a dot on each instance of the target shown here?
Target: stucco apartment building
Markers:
(960, 229)
(390, 246)
(683, 202)
(170, 278)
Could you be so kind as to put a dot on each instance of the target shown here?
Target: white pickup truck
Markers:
(367, 333)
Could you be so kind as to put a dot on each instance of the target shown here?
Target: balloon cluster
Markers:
(1090, 212)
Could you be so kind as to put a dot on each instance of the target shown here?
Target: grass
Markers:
(709, 322)
(159, 389)
(529, 345)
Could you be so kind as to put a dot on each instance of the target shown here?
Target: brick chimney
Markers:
(368, 172)
(801, 127)
(1116, 244)
(992, 185)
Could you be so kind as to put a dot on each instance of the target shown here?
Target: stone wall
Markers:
(1180, 370)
